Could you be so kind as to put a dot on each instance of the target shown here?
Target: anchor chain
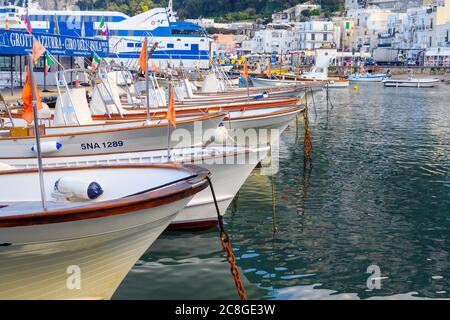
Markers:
(226, 246)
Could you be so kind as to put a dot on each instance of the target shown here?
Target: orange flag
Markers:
(269, 73)
(245, 71)
(27, 98)
(37, 51)
(154, 67)
(143, 57)
(171, 115)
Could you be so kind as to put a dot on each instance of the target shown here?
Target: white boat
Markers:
(262, 118)
(265, 82)
(229, 166)
(179, 43)
(110, 137)
(411, 82)
(82, 247)
(369, 77)
(74, 132)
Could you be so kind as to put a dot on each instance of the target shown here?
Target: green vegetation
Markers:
(222, 10)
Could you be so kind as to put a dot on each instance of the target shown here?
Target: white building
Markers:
(294, 13)
(395, 5)
(276, 38)
(318, 34)
(369, 24)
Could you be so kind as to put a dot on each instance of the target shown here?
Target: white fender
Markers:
(48, 146)
(221, 135)
(79, 189)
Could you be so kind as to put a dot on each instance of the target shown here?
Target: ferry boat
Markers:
(179, 43)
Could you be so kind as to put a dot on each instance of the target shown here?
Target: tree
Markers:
(306, 13)
(315, 12)
(228, 9)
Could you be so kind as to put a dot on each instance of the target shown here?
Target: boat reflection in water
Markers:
(183, 265)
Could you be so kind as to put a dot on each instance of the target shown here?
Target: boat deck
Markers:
(17, 208)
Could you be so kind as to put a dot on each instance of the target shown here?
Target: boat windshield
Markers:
(187, 32)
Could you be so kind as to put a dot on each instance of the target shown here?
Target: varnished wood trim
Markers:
(281, 112)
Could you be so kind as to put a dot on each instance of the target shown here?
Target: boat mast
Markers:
(37, 135)
(147, 94)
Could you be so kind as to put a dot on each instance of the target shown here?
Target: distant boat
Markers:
(411, 82)
(369, 77)
(303, 81)
(317, 75)
(98, 222)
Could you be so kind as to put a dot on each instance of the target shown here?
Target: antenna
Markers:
(170, 6)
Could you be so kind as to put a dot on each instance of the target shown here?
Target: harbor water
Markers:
(370, 219)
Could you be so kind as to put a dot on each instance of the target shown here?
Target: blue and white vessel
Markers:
(179, 43)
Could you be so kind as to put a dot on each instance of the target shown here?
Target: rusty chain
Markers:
(226, 245)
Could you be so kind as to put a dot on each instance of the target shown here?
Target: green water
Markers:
(378, 194)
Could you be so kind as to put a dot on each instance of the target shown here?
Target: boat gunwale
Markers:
(177, 190)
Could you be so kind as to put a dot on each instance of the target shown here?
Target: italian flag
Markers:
(48, 63)
(103, 26)
(95, 61)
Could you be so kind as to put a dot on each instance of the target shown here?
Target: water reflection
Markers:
(378, 194)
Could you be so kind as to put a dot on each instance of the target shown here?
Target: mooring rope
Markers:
(307, 146)
(226, 245)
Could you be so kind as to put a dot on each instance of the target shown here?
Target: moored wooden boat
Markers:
(229, 166)
(109, 137)
(82, 248)
(331, 83)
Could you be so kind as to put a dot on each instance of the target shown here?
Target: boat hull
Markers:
(41, 268)
(259, 82)
(374, 78)
(411, 84)
(277, 118)
(200, 213)
(229, 168)
(111, 141)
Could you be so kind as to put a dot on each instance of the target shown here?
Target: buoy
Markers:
(78, 189)
(48, 146)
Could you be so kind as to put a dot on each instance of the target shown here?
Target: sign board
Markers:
(14, 42)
